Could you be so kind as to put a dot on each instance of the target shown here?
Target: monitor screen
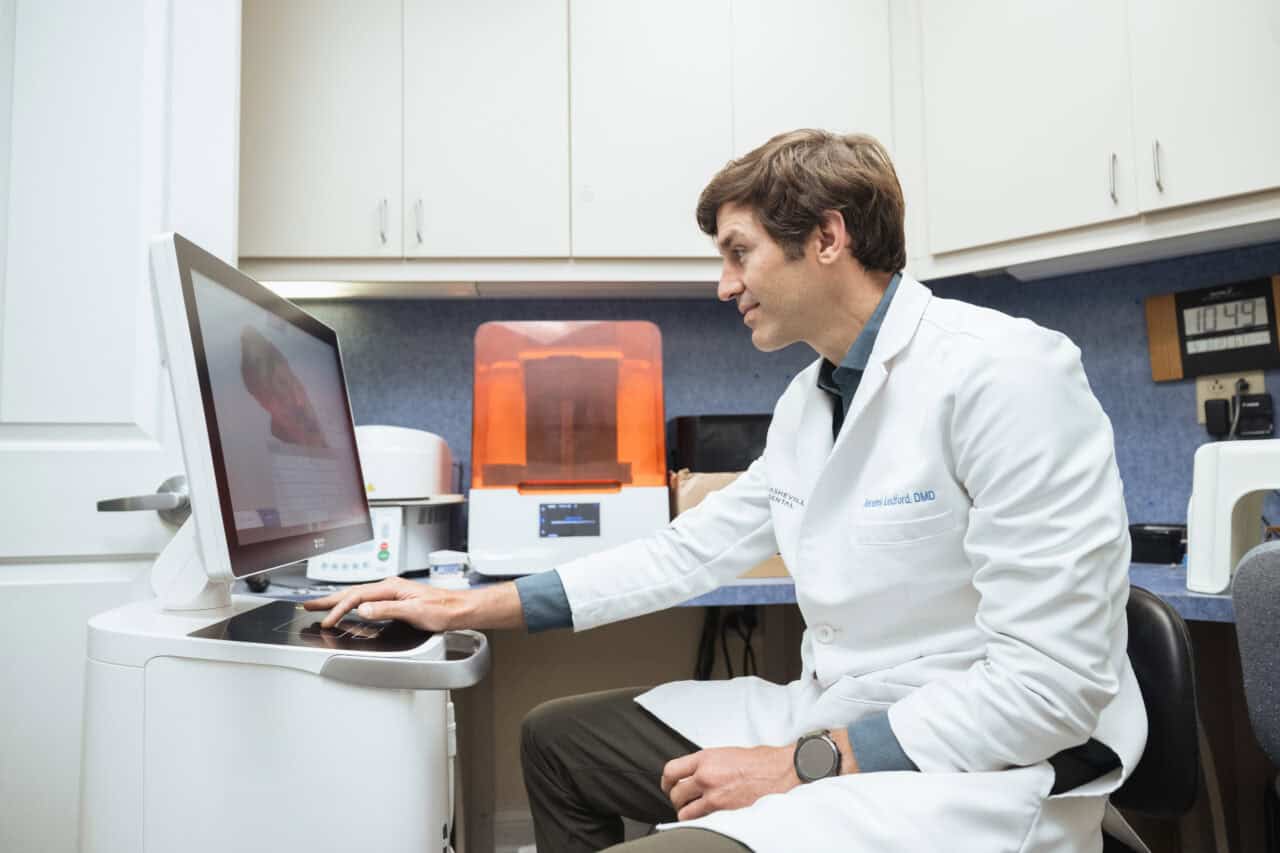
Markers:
(278, 420)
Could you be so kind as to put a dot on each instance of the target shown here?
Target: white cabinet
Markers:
(1026, 118)
(486, 128)
(819, 63)
(665, 93)
(320, 163)
(652, 122)
(1206, 80)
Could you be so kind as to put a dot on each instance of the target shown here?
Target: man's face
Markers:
(771, 291)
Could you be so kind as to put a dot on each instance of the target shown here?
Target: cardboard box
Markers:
(689, 489)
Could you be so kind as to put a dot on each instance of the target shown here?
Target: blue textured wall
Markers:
(409, 363)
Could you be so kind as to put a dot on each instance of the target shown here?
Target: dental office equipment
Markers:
(1224, 515)
(567, 450)
(407, 476)
(199, 706)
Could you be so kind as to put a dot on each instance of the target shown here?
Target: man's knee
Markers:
(540, 728)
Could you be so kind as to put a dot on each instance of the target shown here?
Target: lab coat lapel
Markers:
(900, 324)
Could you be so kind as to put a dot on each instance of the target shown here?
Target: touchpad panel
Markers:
(286, 623)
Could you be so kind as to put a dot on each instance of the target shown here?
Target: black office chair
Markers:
(1166, 781)
(1255, 595)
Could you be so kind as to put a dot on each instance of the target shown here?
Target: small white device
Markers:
(369, 561)
(204, 713)
(1224, 516)
(407, 475)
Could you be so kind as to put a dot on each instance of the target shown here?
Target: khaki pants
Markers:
(591, 760)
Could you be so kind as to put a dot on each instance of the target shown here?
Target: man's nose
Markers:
(730, 285)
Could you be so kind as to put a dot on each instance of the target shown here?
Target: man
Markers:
(942, 485)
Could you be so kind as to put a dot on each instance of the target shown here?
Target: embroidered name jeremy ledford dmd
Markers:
(898, 500)
(786, 499)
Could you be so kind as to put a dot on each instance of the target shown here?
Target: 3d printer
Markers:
(567, 449)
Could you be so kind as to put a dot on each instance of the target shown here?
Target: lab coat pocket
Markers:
(901, 532)
(868, 690)
(849, 699)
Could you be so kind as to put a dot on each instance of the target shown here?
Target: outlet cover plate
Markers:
(1222, 385)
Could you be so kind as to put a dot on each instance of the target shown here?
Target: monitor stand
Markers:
(179, 579)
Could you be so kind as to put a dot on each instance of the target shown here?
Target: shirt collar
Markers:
(832, 378)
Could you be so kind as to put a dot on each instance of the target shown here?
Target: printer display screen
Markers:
(568, 519)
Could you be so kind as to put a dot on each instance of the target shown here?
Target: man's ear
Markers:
(833, 239)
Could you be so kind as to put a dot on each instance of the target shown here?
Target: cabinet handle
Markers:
(417, 219)
(382, 221)
(1155, 159)
(1115, 199)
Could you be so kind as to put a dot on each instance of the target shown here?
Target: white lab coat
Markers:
(961, 559)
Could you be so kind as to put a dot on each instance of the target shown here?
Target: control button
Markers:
(384, 546)
(824, 633)
(384, 555)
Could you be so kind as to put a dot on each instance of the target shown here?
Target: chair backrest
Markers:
(1167, 779)
(1255, 595)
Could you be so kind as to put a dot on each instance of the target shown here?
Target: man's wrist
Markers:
(848, 764)
(496, 606)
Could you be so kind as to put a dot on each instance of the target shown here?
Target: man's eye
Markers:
(739, 253)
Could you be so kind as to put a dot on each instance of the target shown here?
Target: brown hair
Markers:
(796, 177)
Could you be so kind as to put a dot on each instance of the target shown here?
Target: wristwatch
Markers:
(816, 757)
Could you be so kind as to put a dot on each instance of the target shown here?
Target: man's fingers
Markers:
(696, 809)
(353, 598)
(326, 602)
(677, 769)
(684, 792)
(405, 611)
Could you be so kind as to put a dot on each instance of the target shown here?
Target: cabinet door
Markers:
(1207, 90)
(320, 170)
(486, 128)
(652, 123)
(820, 63)
(1027, 119)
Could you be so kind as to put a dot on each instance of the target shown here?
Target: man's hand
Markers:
(426, 607)
(727, 778)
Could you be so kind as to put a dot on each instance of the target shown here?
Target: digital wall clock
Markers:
(1220, 329)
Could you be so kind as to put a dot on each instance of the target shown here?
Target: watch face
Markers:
(816, 758)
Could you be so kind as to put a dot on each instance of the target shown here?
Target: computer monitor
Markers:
(263, 415)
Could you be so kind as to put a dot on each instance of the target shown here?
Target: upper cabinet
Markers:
(821, 63)
(658, 109)
(320, 129)
(1052, 117)
(1026, 118)
(422, 128)
(486, 128)
(478, 142)
(446, 129)
(652, 122)
(1206, 79)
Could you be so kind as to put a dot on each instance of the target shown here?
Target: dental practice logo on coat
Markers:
(784, 498)
(920, 497)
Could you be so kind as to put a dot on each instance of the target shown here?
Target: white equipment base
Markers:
(1224, 517)
(502, 527)
(206, 746)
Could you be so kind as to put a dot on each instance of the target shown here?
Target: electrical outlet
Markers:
(1223, 385)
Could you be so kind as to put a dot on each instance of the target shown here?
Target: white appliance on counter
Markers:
(1224, 516)
(408, 476)
(216, 723)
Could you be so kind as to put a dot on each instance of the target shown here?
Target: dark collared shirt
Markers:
(842, 382)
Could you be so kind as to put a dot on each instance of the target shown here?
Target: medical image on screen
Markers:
(270, 379)
(282, 419)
